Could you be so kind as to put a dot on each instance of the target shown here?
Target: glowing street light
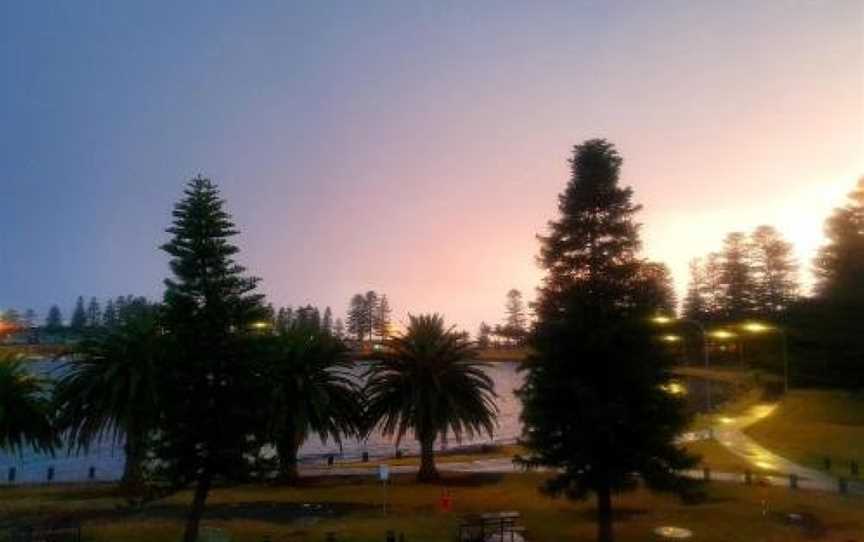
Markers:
(670, 338)
(662, 319)
(722, 334)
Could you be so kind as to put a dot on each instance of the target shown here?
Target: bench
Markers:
(498, 526)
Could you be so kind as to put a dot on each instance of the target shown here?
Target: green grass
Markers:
(732, 512)
(810, 425)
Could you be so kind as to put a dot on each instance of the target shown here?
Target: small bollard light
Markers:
(706, 474)
(853, 468)
(365, 457)
(11, 476)
(330, 460)
(50, 473)
(91, 473)
(793, 481)
(827, 463)
(748, 477)
(842, 486)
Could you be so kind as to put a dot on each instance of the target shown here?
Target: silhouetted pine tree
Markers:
(94, 315)
(210, 307)
(79, 316)
(54, 320)
(594, 405)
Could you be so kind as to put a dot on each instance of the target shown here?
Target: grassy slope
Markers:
(731, 511)
(809, 425)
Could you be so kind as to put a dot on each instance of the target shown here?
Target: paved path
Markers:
(729, 433)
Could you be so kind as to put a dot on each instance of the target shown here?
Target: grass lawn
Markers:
(810, 425)
(251, 513)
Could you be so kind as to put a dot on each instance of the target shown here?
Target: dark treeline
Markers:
(199, 386)
(755, 277)
(369, 317)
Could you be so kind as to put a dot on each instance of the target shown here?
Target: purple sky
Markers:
(415, 148)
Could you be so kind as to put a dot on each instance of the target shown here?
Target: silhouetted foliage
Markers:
(210, 308)
(54, 320)
(429, 381)
(79, 316)
(25, 413)
(515, 325)
(310, 391)
(594, 404)
(381, 321)
(827, 330)
(111, 388)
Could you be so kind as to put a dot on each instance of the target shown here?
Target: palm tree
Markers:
(312, 390)
(429, 381)
(110, 388)
(24, 408)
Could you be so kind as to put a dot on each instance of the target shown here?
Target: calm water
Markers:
(107, 458)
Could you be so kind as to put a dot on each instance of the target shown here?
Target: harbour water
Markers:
(104, 461)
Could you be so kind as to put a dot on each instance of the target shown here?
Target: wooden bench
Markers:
(502, 525)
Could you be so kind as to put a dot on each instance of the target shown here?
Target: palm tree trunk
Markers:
(193, 520)
(604, 514)
(133, 477)
(428, 472)
(289, 473)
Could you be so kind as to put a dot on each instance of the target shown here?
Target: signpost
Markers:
(384, 476)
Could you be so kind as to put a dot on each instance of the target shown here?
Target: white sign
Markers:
(384, 472)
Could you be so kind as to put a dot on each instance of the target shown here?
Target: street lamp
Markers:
(666, 320)
(758, 327)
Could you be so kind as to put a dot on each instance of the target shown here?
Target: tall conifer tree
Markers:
(594, 405)
(210, 307)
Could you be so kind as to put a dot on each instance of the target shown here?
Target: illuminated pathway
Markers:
(728, 433)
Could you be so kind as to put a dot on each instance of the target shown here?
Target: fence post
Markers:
(842, 486)
(365, 457)
(827, 463)
(793, 481)
(11, 476)
(748, 477)
(853, 468)
(706, 474)
(391, 536)
(50, 474)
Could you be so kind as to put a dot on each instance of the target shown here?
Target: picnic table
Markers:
(492, 527)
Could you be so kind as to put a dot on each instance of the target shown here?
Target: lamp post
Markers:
(757, 327)
(698, 325)
(664, 320)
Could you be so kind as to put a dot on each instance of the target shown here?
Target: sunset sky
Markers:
(414, 148)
